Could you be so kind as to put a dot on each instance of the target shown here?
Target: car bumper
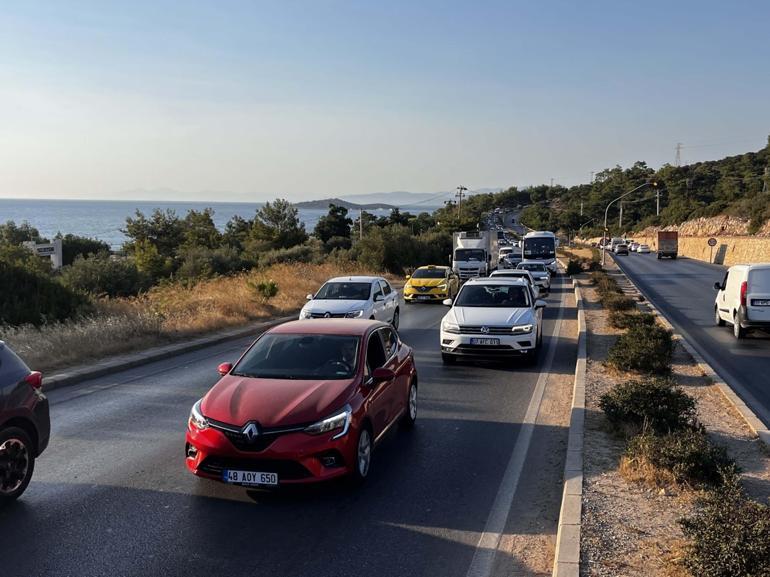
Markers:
(43, 423)
(425, 297)
(297, 458)
(509, 345)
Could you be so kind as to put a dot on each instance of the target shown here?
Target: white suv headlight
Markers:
(448, 327)
(354, 314)
(522, 329)
(305, 314)
(340, 420)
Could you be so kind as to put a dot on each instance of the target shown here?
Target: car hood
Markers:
(274, 402)
(426, 281)
(334, 306)
(496, 317)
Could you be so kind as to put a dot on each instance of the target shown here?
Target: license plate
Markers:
(485, 341)
(761, 302)
(423, 298)
(249, 477)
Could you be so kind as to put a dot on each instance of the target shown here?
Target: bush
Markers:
(308, 252)
(103, 275)
(628, 319)
(618, 303)
(730, 535)
(605, 284)
(574, 267)
(201, 262)
(74, 246)
(687, 455)
(655, 405)
(265, 290)
(647, 349)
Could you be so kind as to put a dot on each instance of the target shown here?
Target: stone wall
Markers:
(728, 251)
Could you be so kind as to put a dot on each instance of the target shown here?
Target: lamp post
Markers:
(580, 228)
(606, 210)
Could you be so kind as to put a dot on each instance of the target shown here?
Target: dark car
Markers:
(24, 423)
(307, 402)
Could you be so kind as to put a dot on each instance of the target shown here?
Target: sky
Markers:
(249, 101)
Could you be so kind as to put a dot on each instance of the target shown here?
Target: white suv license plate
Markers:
(485, 341)
(249, 477)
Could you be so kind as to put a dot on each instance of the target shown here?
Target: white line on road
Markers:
(484, 557)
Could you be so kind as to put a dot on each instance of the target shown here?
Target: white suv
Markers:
(744, 298)
(493, 318)
(354, 297)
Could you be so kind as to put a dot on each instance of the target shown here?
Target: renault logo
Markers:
(251, 432)
(485, 330)
(328, 316)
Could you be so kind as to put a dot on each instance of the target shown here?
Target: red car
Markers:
(307, 402)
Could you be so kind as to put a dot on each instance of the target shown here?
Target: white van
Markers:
(744, 298)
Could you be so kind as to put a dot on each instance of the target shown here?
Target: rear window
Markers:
(759, 280)
(12, 368)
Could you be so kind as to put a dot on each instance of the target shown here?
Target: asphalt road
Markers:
(683, 290)
(112, 497)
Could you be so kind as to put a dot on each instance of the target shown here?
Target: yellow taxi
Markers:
(431, 283)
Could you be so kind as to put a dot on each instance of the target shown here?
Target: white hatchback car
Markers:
(539, 271)
(354, 297)
(744, 298)
(518, 273)
(492, 318)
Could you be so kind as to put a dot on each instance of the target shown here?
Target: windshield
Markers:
(539, 247)
(495, 296)
(429, 273)
(296, 356)
(537, 267)
(353, 291)
(523, 274)
(466, 254)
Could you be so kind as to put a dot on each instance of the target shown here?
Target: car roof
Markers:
(353, 327)
(496, 280)
(432, 266)
(511, 272)
(355, 279)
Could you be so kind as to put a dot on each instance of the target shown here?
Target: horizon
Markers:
(306, 101)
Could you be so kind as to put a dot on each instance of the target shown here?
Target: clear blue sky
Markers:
(253, 100)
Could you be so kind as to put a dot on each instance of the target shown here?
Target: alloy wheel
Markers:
(14, 465)
(412, 403)
(364, 456)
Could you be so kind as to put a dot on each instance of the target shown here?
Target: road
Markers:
(112, 496)
(683, 290)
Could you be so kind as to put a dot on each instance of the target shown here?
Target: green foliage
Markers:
(338, 242)
(150, 262)
(687, 454)
(395, 248)
(730, 535)
(237, 232)
(308, 252)
(163, 230)
(334, 224)
(646, 349)
(653, 405)
(574, 267)
(265, 290)
(199, 230)
(277, 225)
(103, 275)
(618, 302)
(74, 246)
(201, 262)
(627, 319)
(13, 234)
(28, 296)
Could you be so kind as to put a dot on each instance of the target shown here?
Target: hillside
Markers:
(324, 203)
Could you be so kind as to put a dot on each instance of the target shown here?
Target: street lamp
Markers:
(606, 210)
(580, 228)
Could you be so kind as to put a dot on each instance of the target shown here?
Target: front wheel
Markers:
(717, 319)
(364, 449)
(17, 462)
(410, 415)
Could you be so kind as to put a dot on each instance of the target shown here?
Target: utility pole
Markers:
(620, 220)
(678, 154)
(657, 202)
(460, 194)
(361, 224)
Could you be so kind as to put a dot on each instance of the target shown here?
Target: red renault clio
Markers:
(307, 402)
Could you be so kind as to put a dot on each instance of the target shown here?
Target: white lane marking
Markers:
(484, 557)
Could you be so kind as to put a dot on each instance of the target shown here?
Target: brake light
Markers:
(744, 288)
(34, 379)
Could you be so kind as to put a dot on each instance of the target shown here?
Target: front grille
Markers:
(323, 315)
(286, 470)
(476, 330)
(424, 289)
(262, 442)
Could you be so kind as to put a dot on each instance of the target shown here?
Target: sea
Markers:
(103, 219)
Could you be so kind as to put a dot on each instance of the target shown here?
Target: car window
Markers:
(356, 291)
(724, 280)
(390, 340)
(375, 354)
(385, 287)
(502, 296)
(377, 290)
(12, 368)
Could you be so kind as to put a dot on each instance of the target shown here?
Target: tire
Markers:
(738, 331)
(361, 472)
(394, 322)
(410, 415)
(447, 359)
(658, 257)
(533, 358)
(718, 321)
(17, 463)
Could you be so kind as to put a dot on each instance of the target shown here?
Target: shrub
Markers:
(265, 290)
(686, 454)
(308, 252)
(74, 246)
(730, 535)
(103, 275)
(628, 319)
(201, 262)
(618, 303)
(646, 349)
(574, 267)
(655, 405)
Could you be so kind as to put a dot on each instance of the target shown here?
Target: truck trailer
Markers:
(474, 253)
(668, 243)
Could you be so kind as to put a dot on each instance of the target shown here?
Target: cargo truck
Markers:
(668, 243)
(474, 253)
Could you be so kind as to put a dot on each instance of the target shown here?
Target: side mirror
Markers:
(382, 374)
(447, 302)
(540, 304)
(717, 286)
(309, 297)
(225, 368)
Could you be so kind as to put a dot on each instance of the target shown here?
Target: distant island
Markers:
(325, 202)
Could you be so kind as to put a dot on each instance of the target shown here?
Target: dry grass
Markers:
(640, 470)
(167, 313)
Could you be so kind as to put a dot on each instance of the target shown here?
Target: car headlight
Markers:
(197, 420)
(450, 328)
(441, 287)
(354, 314)
(522, 329)
(340, 420)
(305, 314)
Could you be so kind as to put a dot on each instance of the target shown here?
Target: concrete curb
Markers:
(754, 422)
(131, 360)
(567, 554)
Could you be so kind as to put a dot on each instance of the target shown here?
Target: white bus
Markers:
(541, 245)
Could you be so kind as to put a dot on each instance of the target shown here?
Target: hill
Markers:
(324, 203)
